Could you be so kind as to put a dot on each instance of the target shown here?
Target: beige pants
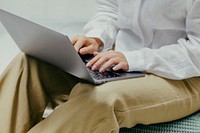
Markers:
(28, 85)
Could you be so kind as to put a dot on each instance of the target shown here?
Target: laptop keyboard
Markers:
(103, 75)
(96, 74)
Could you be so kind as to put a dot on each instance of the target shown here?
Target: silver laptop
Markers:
(55, 48)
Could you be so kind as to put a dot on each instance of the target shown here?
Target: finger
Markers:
(104, 58)
(92, 61)
(87, 50)
(119, 66)
(95, 53)
(74, 39)
(108, 64)
(90, 64)
(79, 44)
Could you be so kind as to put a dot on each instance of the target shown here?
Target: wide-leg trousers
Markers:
(28, 85)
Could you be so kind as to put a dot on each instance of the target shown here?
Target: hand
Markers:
(107, 60)
(86, 45)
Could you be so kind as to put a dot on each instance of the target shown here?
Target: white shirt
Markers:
(151, 34)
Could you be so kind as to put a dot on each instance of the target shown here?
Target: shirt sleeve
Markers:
(104, 24)
(175, 61)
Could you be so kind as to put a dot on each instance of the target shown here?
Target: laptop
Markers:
(55, 48)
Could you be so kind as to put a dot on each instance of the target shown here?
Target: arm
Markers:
(104, 24)
(176, 61)
(101, 31)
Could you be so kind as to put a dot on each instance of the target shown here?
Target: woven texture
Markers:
(190, 124)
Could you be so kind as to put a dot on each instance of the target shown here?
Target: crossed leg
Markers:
(124, 103)
(28, 85)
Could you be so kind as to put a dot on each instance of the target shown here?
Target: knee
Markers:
(21, 58)
(24, 60)
(99, 95)
(109, 96)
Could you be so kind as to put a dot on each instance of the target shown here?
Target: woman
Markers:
(161, 38)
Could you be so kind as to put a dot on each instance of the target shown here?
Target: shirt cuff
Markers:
(136, 60)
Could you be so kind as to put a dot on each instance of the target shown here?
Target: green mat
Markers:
(190, 124)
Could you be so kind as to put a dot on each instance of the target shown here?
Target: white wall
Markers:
(65, 16)
(62, 10)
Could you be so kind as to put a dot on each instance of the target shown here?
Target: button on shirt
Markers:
(156, 36)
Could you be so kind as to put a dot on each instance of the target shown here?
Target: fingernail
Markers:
(82, 51)
(88, 64)
(114, 69)
(94, 67)
(101, 70)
